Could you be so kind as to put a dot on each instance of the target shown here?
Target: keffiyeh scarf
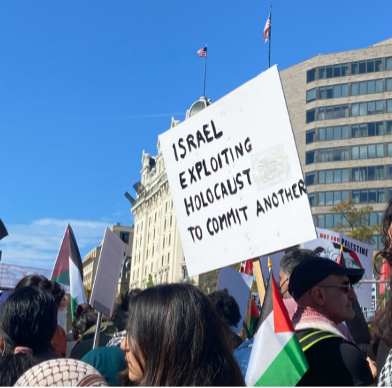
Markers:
(117, 339)
(306, 317)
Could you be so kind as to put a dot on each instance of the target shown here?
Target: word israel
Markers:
(213, 164)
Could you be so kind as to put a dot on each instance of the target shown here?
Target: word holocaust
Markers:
(235, 216)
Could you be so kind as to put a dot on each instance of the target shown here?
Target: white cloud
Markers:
(37, 244)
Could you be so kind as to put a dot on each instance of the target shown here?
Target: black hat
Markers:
(310, 272)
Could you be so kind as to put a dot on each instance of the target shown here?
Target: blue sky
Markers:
(85, 86)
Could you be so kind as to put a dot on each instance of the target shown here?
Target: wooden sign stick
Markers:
(259, 279)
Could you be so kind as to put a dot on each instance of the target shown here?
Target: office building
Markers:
(340, 107)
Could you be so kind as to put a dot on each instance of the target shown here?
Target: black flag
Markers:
(3, 230)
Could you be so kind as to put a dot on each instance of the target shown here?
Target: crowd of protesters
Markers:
(175, 335)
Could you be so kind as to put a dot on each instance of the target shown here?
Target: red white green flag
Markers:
(68, 270)
(277, 358)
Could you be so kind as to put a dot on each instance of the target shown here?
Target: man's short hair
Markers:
(292, 258)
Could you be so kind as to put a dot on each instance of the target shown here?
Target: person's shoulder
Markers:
(351, 352)
(105, 352)
(320, 347)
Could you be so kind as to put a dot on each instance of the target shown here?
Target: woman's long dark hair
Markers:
(381, 328)
(178, 339)
(28, 319)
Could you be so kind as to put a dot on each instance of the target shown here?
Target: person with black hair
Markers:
(83, 329)
(120, 317)
(381, 328)
(227, 307)
(28, 323)
(176, 338)
(59, 340)
(44, 284)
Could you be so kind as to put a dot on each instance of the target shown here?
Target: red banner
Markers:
(10, 274)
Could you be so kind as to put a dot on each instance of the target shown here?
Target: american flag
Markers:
(202, 52)
(267, 29)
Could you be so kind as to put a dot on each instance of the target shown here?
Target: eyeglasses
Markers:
(346, 288)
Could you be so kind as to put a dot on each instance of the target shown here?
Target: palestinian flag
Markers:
(68, 270)
(277, 358)
(247, 268)
(355, 260)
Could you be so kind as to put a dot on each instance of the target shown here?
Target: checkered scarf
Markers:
(117, 339)
(60, 373)
(385, 379)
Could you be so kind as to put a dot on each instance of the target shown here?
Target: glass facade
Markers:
(335, 154)
(342, 132)
(349, 89)
(331, 220)
(349, 110)
(344, 69)
(360, 196)
(374, 171)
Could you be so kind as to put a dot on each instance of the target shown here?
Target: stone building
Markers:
(90, 261)
(340, 107)
(157, 244)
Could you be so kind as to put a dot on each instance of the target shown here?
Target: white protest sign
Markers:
(235, 178)
(108, 273)
(238, 285)
(355, 253)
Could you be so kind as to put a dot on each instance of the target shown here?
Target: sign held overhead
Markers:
(235, 178)
(108, 273)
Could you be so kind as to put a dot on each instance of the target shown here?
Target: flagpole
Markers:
(270, 35)
(205, 73)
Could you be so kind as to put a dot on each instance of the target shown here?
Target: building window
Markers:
(310, 115)
(124, 236)
(388, 63)
(310, 157)
(346, 131)
(185, 274)
(389, 106)
(311, 75)
(311, 199)
(311, 95)
(310, 178)
(310, 136)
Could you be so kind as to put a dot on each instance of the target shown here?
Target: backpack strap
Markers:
(311, 338)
